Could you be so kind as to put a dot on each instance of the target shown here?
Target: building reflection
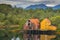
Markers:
(38, 37)
(47, 37)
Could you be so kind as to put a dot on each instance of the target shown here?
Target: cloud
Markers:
(9, 2)
(25, 3)
(36, 1)
(50, 1)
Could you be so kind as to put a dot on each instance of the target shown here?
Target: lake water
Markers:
(30, 37)
(16, 38)
(42, 37)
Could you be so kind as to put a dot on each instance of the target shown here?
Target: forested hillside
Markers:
(18, 16)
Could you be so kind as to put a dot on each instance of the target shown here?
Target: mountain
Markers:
(39, 6)
(56, 7)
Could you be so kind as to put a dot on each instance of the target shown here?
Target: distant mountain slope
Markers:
(5, 8)
(56, 7)
(39, 6)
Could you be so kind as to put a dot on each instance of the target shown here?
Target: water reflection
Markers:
(47, 37)
(33, 37)
(38, 37)
(15, 38)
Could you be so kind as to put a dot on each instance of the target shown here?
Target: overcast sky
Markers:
(25, 3)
